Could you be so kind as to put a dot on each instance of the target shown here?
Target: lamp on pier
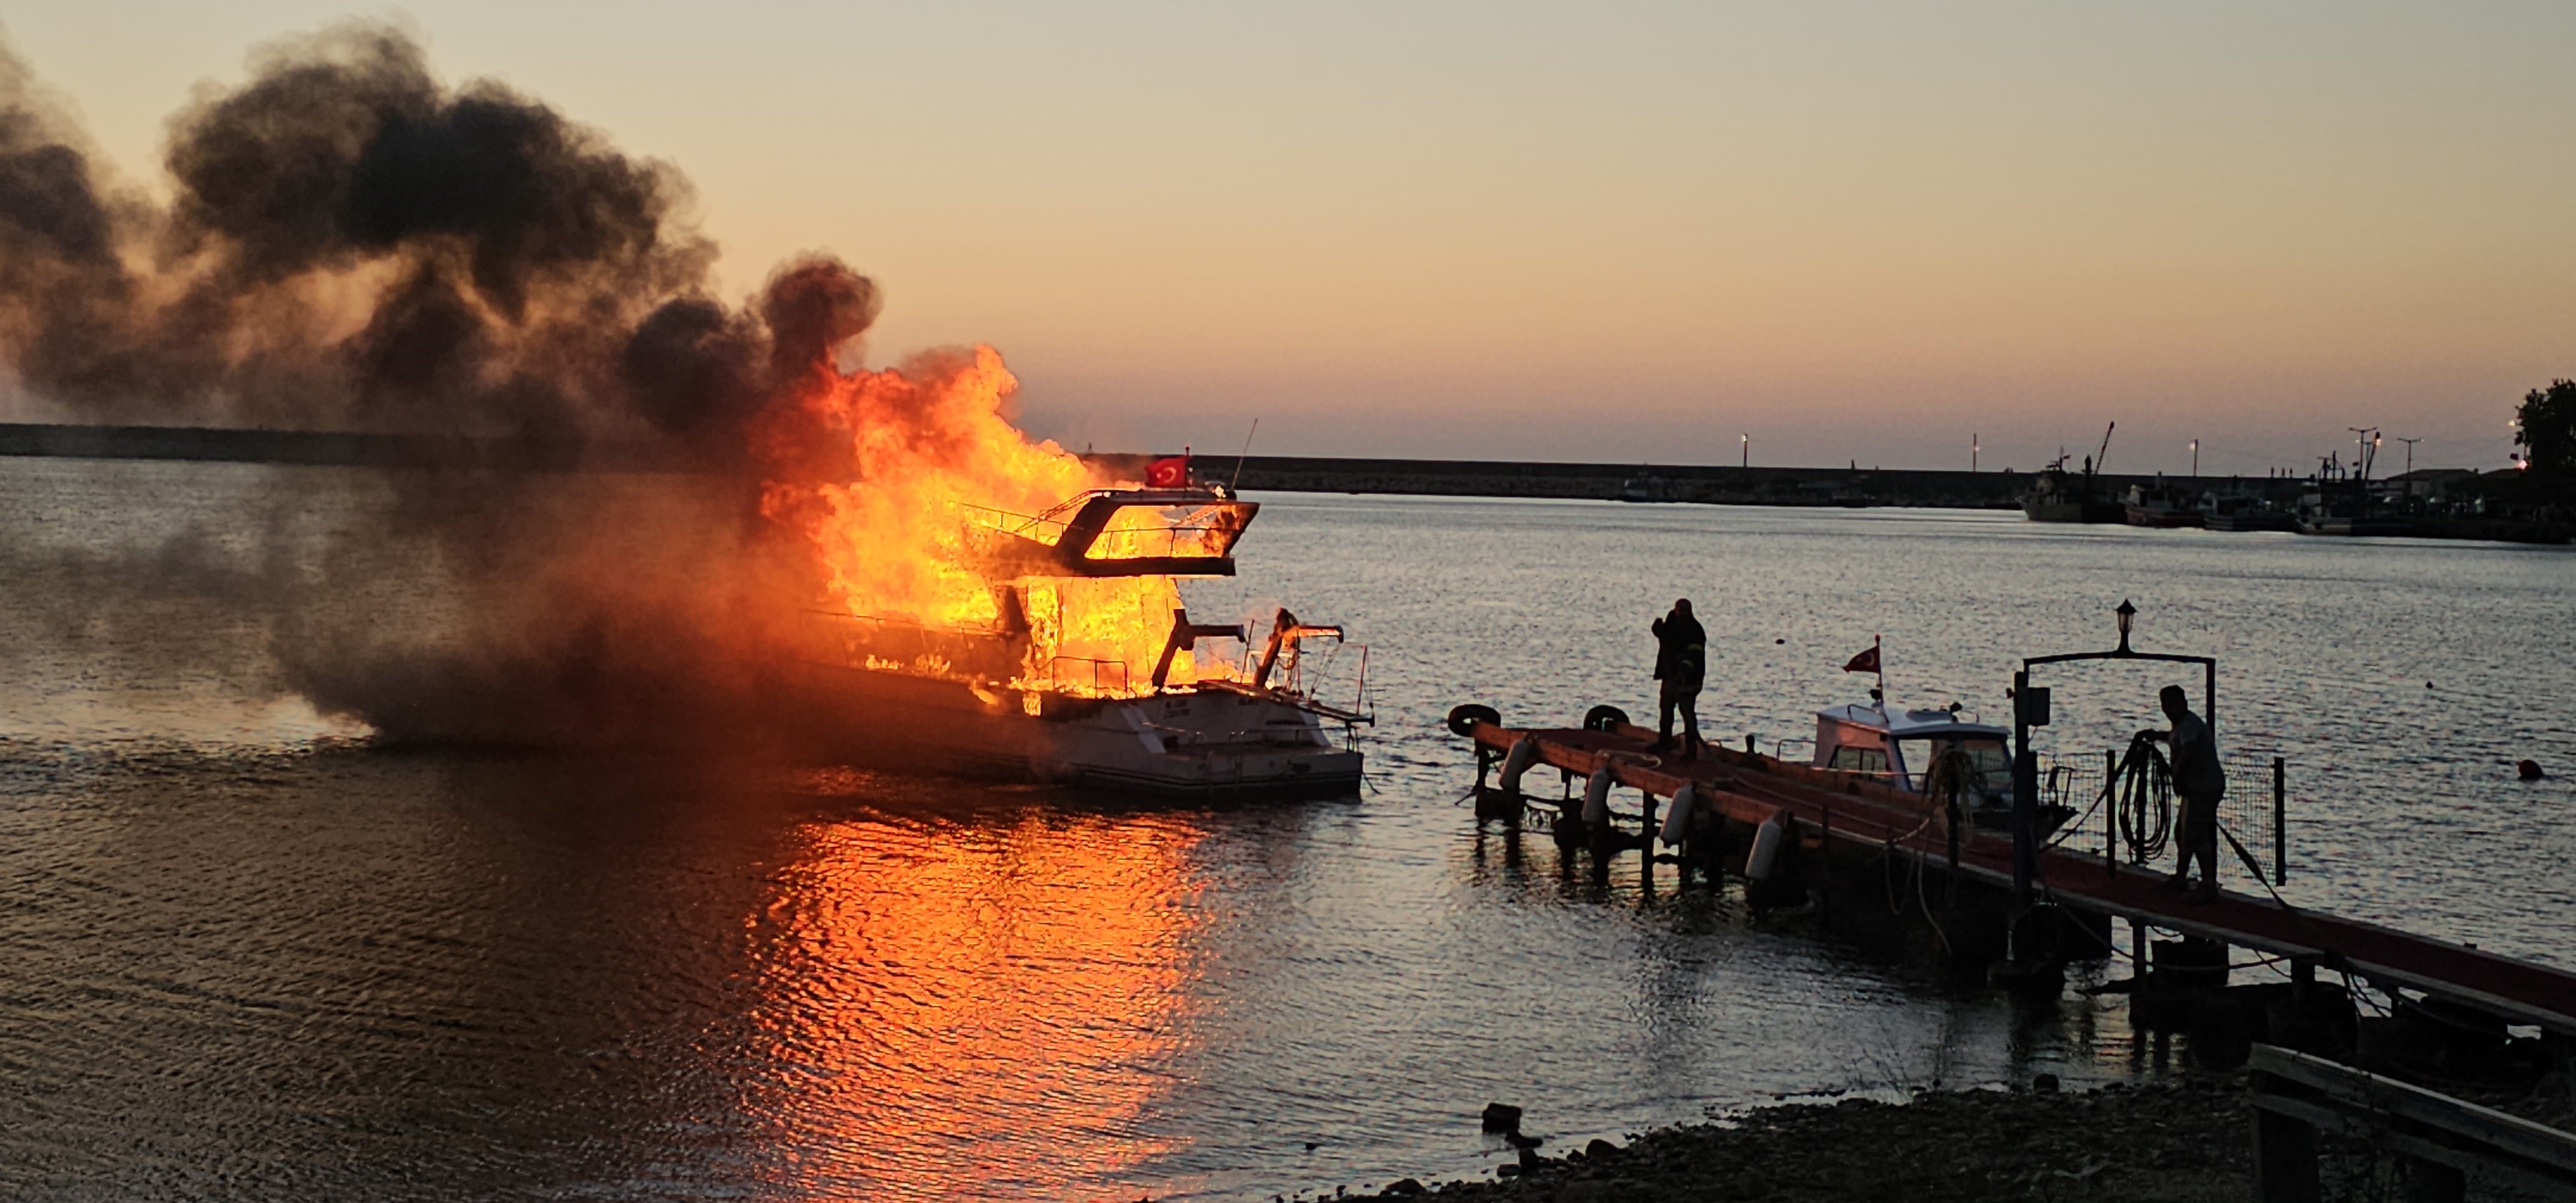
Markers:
(2127, 614)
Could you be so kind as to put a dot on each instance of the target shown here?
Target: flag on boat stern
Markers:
(1169, 472)
(1866, 662)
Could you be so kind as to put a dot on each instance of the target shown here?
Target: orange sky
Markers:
(1618, 232)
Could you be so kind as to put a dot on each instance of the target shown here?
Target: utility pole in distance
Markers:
(2410, 452)
(2195, 459)
(1747, 440)
(1972, 453)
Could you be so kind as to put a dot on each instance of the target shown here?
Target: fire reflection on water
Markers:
(934, 994)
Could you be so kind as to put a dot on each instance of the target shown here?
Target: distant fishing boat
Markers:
(2241, 512)
(2059, 495)
(2161, 505)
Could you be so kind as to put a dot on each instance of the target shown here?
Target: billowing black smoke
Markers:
(352, 245)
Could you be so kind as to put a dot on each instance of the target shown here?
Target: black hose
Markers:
(2141, 789)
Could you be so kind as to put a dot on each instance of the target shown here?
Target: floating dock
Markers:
(1841, 825)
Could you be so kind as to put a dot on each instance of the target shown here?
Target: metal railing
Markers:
(1085, 672)
(2441, 1141)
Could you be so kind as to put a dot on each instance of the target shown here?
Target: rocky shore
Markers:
(2164, 1143)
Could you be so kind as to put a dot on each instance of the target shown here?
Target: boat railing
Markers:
(1050, 527)
(1086, 673)
(1045, 528)
(1190, 736)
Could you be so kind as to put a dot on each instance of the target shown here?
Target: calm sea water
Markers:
(249, 958)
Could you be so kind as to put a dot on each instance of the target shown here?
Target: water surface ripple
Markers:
(250, 958)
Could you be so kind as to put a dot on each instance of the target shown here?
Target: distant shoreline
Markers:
(1703, 483)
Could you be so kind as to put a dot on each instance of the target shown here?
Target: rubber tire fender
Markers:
(1604, 718)
(1463, 718)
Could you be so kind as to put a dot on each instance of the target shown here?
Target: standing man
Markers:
(1681, 661)
(2201, 782)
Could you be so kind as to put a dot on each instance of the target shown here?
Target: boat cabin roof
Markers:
(1122, 532)
(1909, 724)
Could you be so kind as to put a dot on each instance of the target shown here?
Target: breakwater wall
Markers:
(1704, 483)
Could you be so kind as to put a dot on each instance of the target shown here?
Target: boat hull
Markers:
(2072, 511)
(2259, 520)
(1183, 743)
(2163, 519)
(2382, 528)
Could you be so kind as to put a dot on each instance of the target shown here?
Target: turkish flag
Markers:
(1866, 662)
(1169, 472)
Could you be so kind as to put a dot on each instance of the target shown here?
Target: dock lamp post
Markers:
(2030, 710)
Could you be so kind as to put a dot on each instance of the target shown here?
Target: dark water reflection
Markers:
(245, 960)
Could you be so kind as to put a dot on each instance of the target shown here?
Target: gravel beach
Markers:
(2165, 1143)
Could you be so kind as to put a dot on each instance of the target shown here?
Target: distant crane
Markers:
(2102, 456)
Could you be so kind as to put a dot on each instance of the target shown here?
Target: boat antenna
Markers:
(1879, 645)
(1242, 455)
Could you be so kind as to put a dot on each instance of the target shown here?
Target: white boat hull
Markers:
(1208, 742)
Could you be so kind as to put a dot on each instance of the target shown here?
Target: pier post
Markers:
(2025, 786)
(1825, 869)
(1646, 840)
(2110, 815)
(2280, 823)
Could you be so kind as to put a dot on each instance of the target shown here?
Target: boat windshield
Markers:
(1993, 765)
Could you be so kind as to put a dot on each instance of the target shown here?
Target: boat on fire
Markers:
(997, 699)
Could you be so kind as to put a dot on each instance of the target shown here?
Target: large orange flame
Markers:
(896, 479)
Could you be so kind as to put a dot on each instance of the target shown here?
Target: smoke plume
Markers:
(351, 244)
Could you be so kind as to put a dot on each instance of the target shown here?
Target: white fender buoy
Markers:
(1596, 797)
(1766, 847)
(1677, 821)
(1516, 762)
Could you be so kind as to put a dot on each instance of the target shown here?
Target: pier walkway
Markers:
(1866, 817)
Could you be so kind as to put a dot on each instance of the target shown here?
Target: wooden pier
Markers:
(1843, 818)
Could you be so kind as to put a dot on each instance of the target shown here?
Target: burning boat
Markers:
(1047, 687)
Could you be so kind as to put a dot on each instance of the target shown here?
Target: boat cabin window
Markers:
(1861, 760)
(1993, 764)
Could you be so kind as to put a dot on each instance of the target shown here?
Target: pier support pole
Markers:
(2280, 822)
(2025, 803)
(2110, 815)
(1646, 846)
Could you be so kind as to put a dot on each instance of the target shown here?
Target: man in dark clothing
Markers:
(1681, 660)
(2200, 781)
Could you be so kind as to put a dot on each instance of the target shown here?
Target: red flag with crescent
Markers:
(1866, 662)
(1169, 472)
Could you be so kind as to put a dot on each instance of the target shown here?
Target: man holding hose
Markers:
(2200, 782)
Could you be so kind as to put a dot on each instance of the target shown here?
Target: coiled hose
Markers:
(2141, 793)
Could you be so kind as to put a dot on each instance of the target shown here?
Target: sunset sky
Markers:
(1603, 231)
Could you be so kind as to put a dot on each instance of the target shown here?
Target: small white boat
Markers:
(980, 701)
(1926, 752)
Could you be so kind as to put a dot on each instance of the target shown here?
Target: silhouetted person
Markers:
(1681, 662)
(2201, 782)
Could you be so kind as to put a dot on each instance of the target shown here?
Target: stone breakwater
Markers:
(1724, 484)
(2155, 1144)
(1706, 483)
